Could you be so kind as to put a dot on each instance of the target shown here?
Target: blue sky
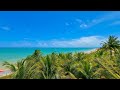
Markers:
(57, 28)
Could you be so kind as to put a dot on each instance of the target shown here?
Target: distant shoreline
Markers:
(14, 61)
(13, 54)
(7, 71)
(91, 51)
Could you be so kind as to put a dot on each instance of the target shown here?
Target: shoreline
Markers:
(90, 51)
(8, 72)
(5, 72)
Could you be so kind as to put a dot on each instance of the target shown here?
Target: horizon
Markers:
(57, 29)
(49, 47)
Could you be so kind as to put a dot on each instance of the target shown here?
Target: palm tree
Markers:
(18, 70)
(23, 69)
(69, 56)
(112, 44)
(37, 55)
(47, 70)
(12, 67)
(109, 66)
(27, 68)
(87, 70)
(80, 56)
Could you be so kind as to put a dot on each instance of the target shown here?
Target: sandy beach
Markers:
(93, 50)
(7, 71)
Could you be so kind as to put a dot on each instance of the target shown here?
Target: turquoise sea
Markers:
(15, 54)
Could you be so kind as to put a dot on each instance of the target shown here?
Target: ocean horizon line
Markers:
(14, 54)
(49, 47)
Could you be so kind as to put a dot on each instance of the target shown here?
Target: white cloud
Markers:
(83, 25)
(70, 23)
(91, 23)
(90, 41)
(67, 24)
(22, 44)
(42, 44)
(5, 28)
(78, 20)
(26, 38)
(116, 23)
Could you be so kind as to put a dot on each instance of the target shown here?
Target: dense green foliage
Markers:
(94, 65)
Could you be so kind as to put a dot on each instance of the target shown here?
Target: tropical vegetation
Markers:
(104, 63)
